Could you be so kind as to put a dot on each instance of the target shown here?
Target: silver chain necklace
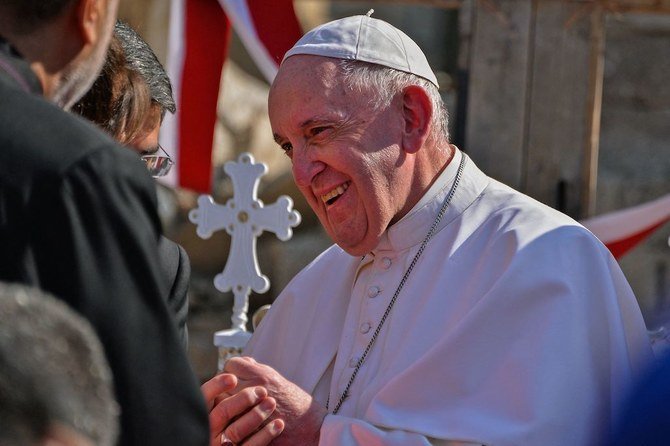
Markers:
(430, 234)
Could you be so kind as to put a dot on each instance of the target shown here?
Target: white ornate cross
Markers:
(244, 217)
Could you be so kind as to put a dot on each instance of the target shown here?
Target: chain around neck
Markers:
(429, 235)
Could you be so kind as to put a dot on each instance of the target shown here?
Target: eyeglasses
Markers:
(158, 165)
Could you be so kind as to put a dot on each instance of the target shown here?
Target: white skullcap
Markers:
(366, 39)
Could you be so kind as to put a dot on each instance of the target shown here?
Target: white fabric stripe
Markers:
(240, 17)
(169, 134)
(622, 224)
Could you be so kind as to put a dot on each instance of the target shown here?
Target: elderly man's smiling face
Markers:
(347, 157)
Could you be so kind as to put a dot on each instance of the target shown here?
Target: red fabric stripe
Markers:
(207, 34)
(276, 25)
(620, 247)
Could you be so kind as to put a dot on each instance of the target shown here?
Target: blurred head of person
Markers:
(65, 41)
(55, 384)
(131, 96)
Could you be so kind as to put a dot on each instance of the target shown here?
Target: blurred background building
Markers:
(568, 101)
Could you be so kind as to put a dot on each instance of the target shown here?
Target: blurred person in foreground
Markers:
(55, 384)
(129, 100)
(453, 309)
(78, 214)
(644, 418)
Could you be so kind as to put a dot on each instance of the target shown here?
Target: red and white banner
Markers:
(267, 29)
(197, 49)
(622, 230)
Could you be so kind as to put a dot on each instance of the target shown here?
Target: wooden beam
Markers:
(635, 6)
(593, 112)
(444, 4)
(611, 6)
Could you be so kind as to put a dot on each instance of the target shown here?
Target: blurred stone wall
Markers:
(634, 162)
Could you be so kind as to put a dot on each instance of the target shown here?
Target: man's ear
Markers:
(89, 19)
(417, 113)
(59, 434)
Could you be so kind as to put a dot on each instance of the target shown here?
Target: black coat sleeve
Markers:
(96, 236)
(176, 268)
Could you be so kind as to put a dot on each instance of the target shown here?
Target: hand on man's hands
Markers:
(301, 415)
(239, 415)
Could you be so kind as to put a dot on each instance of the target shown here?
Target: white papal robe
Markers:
(516, 327)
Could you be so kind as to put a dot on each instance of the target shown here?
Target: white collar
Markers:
(411, 229)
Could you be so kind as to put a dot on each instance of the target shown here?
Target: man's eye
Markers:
(317, 130)
(148, 152)
(286, 147)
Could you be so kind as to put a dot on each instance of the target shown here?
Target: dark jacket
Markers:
(78, 219)
(176, 269)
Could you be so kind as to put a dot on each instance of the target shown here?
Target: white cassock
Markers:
(516, 327)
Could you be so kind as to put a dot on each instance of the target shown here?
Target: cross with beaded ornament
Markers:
(244, 217)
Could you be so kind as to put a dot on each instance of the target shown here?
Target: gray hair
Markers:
(52, 370)
(386, 83)
(141, 58)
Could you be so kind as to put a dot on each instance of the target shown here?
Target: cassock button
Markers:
(353, 361)
(365, 327)
(373, 291)
(386, 262)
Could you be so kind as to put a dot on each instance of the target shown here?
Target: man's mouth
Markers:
(330, 197)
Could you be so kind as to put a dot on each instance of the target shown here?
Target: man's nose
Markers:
(305, 167)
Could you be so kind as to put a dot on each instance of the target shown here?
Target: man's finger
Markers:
(216, 386)
(240, 365)
(250, 421)
(224, 412)
(248, 372)
(268, 433)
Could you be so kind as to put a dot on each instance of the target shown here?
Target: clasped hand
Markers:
(251, 404)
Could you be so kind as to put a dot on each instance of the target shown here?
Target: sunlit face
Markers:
(78, 77)
(347, 157)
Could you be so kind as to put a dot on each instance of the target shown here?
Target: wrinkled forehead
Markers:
(307, 71)
(306, 80)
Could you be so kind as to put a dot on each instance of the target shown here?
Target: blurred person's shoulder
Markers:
(45, 144)
(644, 417)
